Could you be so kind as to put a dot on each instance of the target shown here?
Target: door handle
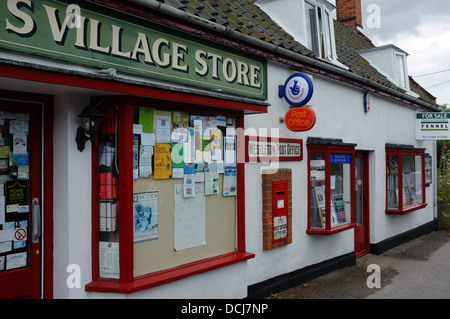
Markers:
(36, 211)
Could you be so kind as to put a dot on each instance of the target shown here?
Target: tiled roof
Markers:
(246, 17)
(348, 43)
(424, 94)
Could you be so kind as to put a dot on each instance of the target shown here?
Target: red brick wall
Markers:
(267, 212)
(349, 12)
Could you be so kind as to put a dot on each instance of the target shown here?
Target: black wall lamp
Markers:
(91, 119)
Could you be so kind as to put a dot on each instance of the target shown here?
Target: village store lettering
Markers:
(52, 29)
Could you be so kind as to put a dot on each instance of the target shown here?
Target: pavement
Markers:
(418, 269)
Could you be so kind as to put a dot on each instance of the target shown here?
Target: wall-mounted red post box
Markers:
(280, 210)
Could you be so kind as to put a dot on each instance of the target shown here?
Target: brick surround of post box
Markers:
(269, 176)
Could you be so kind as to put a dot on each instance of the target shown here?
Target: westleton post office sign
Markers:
(126, 43)
(265, 149)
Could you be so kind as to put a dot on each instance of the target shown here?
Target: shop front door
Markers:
(362, 238)
(20, 199)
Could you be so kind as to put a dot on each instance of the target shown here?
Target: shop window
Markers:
(331, 181)
(185, 203)
(405, 180)
(168, 204)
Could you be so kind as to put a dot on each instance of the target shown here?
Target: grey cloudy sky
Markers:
(422, 29)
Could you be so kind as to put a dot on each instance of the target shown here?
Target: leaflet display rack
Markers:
(108, 197)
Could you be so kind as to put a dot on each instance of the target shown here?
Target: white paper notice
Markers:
(220, 167)
(17, 127)
(163, 128)
(189, 185)
(109, 260)
(198, 141)
(2, 209)
(14, 261)
(190, 218)
(145, 160)
(6, 235)
(5, 247)
(221, 120)
(177, 172)
(148, 139)
(216, 144)
(137, 129)
(230, 151)
(229, 183)
(211, 183)
(20, 143)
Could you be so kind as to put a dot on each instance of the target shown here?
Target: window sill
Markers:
(169, 275)
(405, 210)
(331, 231)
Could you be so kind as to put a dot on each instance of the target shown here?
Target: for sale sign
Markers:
(433, 126)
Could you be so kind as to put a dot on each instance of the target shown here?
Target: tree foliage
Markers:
(443, 176)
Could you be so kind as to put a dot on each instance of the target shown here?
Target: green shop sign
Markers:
(87, 34)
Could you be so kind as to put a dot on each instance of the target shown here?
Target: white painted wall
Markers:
(223, 283)
(286, 13)
(72, 197)
(340, 114)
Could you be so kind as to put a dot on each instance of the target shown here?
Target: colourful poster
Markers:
(146, 119)
(162, 161)
(145, 206)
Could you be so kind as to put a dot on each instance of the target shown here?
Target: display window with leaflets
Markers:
(170, 194)
(405, 179)
(331, 181)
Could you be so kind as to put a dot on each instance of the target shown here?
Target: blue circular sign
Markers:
(298, 89)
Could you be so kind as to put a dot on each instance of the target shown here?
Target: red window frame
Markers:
(400, 152)
(127, 282)
(328, 150)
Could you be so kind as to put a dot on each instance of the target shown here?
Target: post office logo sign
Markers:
(297, 90)
(300, 119)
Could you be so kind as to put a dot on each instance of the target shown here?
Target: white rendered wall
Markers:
(286, 13)
(224, 283)
(340, 114)
(72, 197)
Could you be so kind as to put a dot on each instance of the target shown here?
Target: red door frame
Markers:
(362, 232)
(41, 252)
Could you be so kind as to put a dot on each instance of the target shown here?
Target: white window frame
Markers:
(324, 28)
(399, 69)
